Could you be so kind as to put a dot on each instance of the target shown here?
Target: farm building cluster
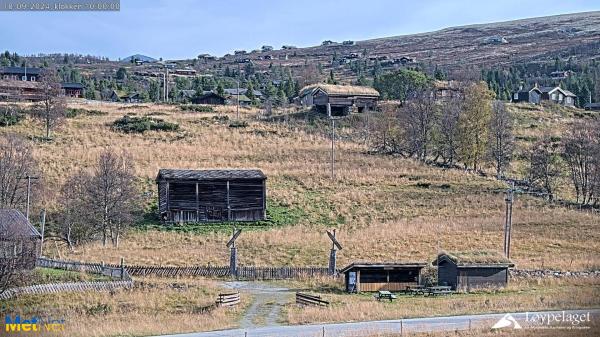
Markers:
(455, 270)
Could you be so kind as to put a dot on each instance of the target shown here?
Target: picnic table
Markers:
(415, 290)
(384, 294)
(439, 290)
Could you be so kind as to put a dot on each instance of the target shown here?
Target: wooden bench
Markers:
(384, 294)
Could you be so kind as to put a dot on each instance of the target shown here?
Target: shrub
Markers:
(238, 124)
(130, 124)
(10, 115)
(74, 112)
(197, 108)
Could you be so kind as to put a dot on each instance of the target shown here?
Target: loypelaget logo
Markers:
(541, 320)
(17, 324)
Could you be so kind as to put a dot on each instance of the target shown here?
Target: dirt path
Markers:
(267, 304)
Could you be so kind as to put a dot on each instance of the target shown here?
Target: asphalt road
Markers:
(431, 324)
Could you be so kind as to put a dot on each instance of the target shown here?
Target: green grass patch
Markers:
(277, 215)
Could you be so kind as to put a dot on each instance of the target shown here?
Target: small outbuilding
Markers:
(391, 276)
(211, 195)
(470, 270)
(343, 99)
(210, 98)
(19, 240)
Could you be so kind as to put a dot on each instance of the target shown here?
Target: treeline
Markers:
(475, 131)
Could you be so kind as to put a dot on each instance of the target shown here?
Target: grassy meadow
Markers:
(385, 208)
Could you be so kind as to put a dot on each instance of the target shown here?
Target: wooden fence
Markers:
(65, 287)
(243, 273)
(306, 299)
(228, 299)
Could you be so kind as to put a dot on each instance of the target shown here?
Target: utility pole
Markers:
(43, 222)
(167, 87)
(238, 93)
(508, 219)
(28, 177)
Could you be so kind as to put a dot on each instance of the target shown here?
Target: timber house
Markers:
(211, 195)
(343, 99)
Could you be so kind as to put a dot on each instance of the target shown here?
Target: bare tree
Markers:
(418, 118)
(501, 137)
(582, 152)
(16, 162)
(447, 135)
(545, 166)
(68, 224)
(51, 110)
(110, 195)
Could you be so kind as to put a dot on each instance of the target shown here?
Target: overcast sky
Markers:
(184, 28)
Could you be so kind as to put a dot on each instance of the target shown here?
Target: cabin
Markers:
(343, 99)
(472, 270)
(211, 195)
(185, 72)
(444, 90)
(531, 95)
(23, 91)
(558, 95)
(19, 240)
(20, 73)
(209, 98)
(536, 95)
(72, 89)
(390, 276)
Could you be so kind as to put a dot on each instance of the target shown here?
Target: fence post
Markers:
(122, 268)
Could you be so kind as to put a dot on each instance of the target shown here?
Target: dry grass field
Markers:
(385, 208)
(154, 306)
(521, 295)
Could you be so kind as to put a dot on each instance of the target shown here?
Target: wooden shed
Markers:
(343, 99)
(391, 276)
(211, 195)
(19, 240)
(209, 98)
(470, 270)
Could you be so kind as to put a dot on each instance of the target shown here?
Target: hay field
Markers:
(385, 208)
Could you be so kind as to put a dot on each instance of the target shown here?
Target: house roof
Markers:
(10, 84)
(20, 70)
(14, 224)
(234, 91)
(234, 174)
(188, 93)
(592, 105)
(70, 85)
(480, 259)
(339, 90)
(242, 98)
(383, 265)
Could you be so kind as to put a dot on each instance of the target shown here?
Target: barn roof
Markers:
(174, 174)
(339, 90)
(383, 265)
(476, 259)
(14, 224)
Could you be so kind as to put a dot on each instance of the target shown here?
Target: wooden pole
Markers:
(43, 222)
(122, 268)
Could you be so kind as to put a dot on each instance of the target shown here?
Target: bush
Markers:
(130, 124)
(238, 124)
(10, 115)
(74, 112)
(197, 108)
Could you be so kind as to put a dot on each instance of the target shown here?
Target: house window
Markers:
(554, 97)
(516, 96)
(33, 79)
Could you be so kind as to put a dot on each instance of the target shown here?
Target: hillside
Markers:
(535, 39)
(376, 202)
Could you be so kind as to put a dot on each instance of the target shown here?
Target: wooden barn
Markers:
(471, 270)
(210, 98)
(19, 240)
(211, 195)
(343, 99)
(368, 276)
